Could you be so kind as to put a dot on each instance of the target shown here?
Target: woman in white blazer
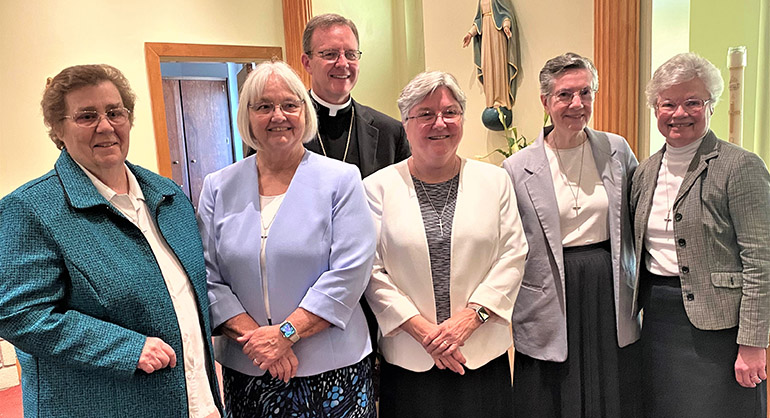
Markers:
(448, 266)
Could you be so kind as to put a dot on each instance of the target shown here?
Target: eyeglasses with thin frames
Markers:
(428, 117)
(288, 107)
(565, 96)
(90, 118)
(691, 106)
(332, 55)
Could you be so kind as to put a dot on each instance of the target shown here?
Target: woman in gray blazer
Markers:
(574, 309)
(702, 230)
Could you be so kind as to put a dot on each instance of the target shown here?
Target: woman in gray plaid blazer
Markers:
(701, 216)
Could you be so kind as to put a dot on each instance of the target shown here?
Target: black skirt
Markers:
(689, 372)
(598, 379)
(484, 392)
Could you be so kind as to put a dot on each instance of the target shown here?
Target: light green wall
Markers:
(391, 39)
(716, 25)
(669, 36)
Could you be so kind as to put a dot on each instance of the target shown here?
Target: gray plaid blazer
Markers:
(722, 231)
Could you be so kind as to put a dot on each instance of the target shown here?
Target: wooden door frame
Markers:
(157, 52)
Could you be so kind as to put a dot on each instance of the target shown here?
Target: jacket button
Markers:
(685, 269)
(682, 242)
(678, 217)
(690, 297)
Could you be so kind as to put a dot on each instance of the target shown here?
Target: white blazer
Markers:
(487, 261)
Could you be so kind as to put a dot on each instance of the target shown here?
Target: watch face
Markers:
(483, 314)
(287, 329)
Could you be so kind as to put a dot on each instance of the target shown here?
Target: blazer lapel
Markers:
(706, 151)
(611, 172)
(608, 167)
(78, 189)
(539, 186)
(367, 136)
(643, 206)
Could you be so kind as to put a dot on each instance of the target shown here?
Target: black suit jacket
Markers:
(381, 140)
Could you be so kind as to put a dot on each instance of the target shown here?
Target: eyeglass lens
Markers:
(566, 96)
(448, 116)
(689, 106)
(91, 118)
(334, 55)
(288, 106)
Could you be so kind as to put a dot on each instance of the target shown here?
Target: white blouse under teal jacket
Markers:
(319, 257)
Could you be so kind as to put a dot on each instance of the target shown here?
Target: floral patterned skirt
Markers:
(344, 392)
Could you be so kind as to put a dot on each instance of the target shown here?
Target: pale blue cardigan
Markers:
(80, 291)
(319, 257)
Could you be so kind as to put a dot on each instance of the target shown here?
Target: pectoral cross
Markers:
(667, 219)
(576, 208)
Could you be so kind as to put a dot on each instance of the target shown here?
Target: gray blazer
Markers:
(539, 316)
(722, 230)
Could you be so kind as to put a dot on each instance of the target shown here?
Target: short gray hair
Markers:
(252, 91)
(423, 85)
(682, 68)
(557, 66)
(325, 21)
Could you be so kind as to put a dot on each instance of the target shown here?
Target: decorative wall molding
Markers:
(616, 55)
(296, 13)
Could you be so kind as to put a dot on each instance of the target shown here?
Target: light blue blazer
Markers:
(319, 257)
(539, 316)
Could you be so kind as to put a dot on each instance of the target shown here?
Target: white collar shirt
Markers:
(133, 206)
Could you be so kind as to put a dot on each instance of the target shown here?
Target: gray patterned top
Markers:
(438, 231)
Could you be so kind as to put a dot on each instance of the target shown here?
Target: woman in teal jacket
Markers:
(102, 278)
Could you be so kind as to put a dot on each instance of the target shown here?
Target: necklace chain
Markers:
(574, 193)
(350, 130)
(446, 201)
(667, 220)
(262, 220)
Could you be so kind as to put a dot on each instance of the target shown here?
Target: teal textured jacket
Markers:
(80, 291)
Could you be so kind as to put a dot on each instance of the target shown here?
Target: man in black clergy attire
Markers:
(348, 131)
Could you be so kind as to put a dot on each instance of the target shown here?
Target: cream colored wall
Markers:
(40, 38)
(546, 29)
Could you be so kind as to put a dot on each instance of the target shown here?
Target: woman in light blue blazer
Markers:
(289, 244)
(574, 310)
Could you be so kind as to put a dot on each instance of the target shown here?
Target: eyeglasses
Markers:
(690, 106)
(90, 118)
(428, 117)
(586, 95)
(288, 107)
(333, 55)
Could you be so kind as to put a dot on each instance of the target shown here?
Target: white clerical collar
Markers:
(333, 108)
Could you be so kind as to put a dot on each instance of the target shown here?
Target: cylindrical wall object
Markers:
(736, 62)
